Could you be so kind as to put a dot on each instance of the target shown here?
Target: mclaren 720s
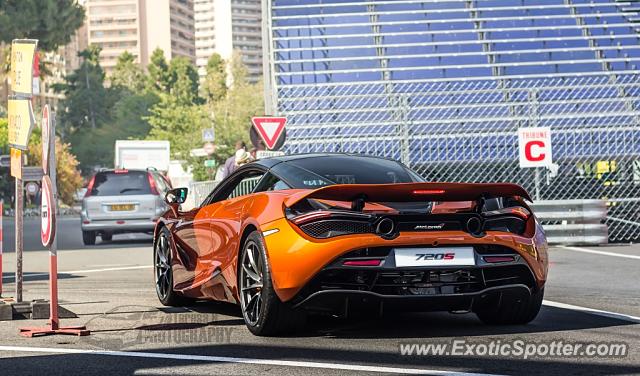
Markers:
(285, 237)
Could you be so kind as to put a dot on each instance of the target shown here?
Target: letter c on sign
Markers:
(528, 151)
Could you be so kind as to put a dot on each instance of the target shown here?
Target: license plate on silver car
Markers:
(445, 256)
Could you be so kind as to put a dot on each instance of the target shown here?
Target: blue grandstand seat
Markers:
(571, 94)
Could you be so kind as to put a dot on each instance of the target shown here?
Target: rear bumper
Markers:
(120, 226)
(297, 259)
(337, 301)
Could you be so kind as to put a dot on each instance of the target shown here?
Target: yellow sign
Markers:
(21, 122)
(22, 53)
(16, 163)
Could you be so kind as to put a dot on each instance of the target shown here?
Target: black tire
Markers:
(163, 273)
(89, 237)
(106, 237)
(273, 317)
(512, 310)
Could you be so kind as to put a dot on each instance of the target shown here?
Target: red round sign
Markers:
(47, 212)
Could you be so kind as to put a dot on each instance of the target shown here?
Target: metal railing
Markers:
(573, 222)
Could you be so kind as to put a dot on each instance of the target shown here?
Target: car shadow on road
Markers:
(442, 324)
(427, 324)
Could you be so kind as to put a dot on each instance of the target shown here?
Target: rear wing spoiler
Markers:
(407, 192)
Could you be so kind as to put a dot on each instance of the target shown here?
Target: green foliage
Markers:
(158, 78)
(215, 84)
(233, 112)
(52, 22)
(160, 104)
(87, 101)
(127, 74)
(179, 123)
(183, 81)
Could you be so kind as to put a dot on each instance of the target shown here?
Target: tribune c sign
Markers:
(534, 147)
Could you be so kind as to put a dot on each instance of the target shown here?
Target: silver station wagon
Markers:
(122, 201)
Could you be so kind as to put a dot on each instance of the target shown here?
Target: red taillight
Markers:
(428, 191)
(152, 184)
(497, 259)
(520, 212)
(362, 263)
(313, 216)
(90, 187)
(121, 171)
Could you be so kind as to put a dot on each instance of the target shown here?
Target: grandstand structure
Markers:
(443, 85)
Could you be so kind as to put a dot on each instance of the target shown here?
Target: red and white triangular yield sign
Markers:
(269, 128)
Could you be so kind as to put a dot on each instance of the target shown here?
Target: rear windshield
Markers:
(121, 183)
(321, 171)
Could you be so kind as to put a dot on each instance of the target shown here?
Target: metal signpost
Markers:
(48, 233)
(21, 123)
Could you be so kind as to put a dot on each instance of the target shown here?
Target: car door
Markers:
(193, 240)
(223, 213)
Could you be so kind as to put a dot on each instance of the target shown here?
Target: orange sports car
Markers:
(335, 233)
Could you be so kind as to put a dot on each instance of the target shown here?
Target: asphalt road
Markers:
(111, 289)
(69, 227)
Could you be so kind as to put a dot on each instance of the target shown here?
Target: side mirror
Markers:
(176, 196)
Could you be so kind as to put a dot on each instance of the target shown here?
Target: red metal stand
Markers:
(69, 330)
(54, 322)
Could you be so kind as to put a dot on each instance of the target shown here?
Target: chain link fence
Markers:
(466, 130)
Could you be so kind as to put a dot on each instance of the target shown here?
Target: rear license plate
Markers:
(449, 256)
(122, 207)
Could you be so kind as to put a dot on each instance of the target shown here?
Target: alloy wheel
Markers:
(162, 267)
(251, 283)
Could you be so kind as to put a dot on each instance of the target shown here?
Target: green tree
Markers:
(87, 107)
(239, 71)
(233, 113)
(52, 22)
(183, 81)
(128, 74)
(215, 83)
(158, 78)
(179, 123)
(86, 103)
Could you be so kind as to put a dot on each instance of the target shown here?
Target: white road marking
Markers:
(593, 311)
(86, 271)
(225, 359)
(603, 253)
